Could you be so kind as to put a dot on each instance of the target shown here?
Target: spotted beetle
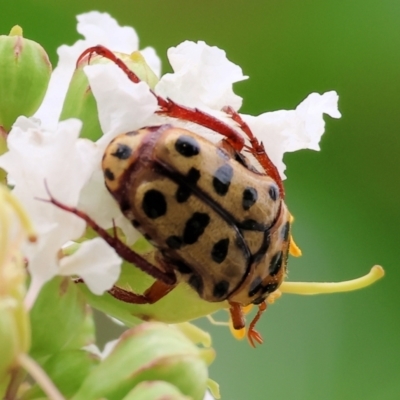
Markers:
(217, 223)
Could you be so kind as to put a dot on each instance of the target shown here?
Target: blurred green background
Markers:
(345, 198)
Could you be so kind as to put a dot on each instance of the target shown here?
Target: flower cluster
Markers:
(58, 148)
(45, 150)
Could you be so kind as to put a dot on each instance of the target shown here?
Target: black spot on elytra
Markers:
(250, 196)
(241, 244)
(123, 151)
(220, 250)
(187, 146)
(174, 242)
(251, 225)
(285, 231)
(109, 174)
(269, 288)
(147, 236)
(195, 226)
(184, 191)
(222, 179)
(182, 267)
(193, 176)
(255, 286)
(154, 204)
(124, 205)
(273, 192)
(196, 283)
(135, 223)
(260, 254)
(275, 264)
(221, 289)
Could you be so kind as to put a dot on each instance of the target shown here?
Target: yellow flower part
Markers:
(309, 288)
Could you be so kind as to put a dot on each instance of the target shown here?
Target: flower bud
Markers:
(25, 72)
(149, 352)
(14, 322)
(80, 102)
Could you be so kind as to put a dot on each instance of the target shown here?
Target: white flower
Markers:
(52, 152)
(202, 77)
(64, 163)
(198, 81)
(284, 131)
(97, 28)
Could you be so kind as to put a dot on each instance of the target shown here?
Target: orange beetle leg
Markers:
(237, 317)
(154, 293)
(252, 334)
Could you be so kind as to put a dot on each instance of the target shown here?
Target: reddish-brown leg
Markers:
(120, 247)
(252, 334)
(174, 110)
(104, 52)
(169, 107)
(257, 149)
(237, 316)
(154, 293)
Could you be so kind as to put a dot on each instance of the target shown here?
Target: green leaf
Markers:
(59, 319)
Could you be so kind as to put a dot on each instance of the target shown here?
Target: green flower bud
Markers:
(149, 352)
(80, 102)
(155, 390)
(25, 72)
(14, 322)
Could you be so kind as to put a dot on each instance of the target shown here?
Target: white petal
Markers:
(109, 347)
(97, 202)
(152, 60)
(203, 77)
(65, 163)
(97, 28)
(92, 349)
(96, 263)
(123, 106)
(208, 396)
(101, 28)
(283, 131)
